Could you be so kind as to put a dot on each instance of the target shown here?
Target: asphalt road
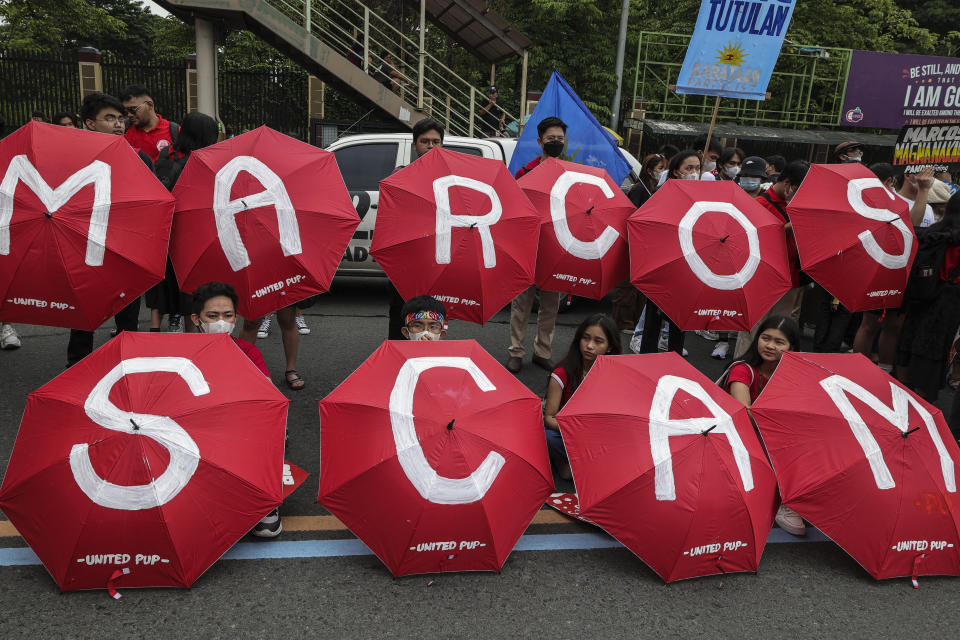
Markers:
(810, 589)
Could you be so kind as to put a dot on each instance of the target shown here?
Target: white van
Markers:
(366, 159)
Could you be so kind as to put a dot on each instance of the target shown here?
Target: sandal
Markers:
(296, 383)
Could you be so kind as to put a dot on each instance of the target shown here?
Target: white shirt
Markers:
(928, 217)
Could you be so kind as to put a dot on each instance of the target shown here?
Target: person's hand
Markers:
(924, 179)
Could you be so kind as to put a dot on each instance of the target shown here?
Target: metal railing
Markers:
(364, 37)
(806, 88)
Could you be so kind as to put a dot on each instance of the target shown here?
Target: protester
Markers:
(492, 116)
(748, 375)
(165, 298)
(752, 173)
(427, 134)
(551, 136)
(424, 318)
(38, 116)
(9, 339)
(775, 166)
(947, 179)
(708, 156)
(848, 152)
(730, 163)
(931, 326)
(65, 119)
(653, 166)
(914, 190)
(149, 131)
(668, 151)
(215, 311)
(596, 335)
(937, 199)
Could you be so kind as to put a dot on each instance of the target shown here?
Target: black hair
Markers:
(57, 117)
(728, 153)
(884, 170)
(572, 363)
(779, 162)
(795, 172)
(422, 303)
(678, 159)
(134, 91)
(783, 324)
(38, 114)
(198, 130)
(548, 122)
(700, 144)
(668, 151)
(427, 124)
(211, 290)
(96, 102)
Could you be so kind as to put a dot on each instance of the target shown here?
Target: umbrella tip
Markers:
(709, 430)
(907, 433)
(136, 427)
(589, 210)
(724, 238)
(450, 426)
(48, 214)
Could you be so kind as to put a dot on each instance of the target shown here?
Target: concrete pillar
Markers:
(91, 75)
(206, 68)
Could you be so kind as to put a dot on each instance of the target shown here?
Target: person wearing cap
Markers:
(847, 152)
(753, 172)
(937, 199)
(492, 116)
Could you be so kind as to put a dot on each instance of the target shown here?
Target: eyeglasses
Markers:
(109, 119)
(554, 139)
(133, 110)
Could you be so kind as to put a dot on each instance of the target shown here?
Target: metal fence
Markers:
(34, 81)
(166, 79)
(277, 98)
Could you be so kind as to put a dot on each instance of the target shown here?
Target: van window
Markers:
(363, 166)
(470, 151)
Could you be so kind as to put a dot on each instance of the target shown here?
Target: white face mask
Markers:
(690, 176)
(422, 335)
(220, 326)
(732, 172)
(709, 166)
(657, 175)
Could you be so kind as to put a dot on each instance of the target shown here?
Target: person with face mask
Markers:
(709, 156)
(552, 138)
(424, 318)
(753, 171)
(847, 152)
(731, 161)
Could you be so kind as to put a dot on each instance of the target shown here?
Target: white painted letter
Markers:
(855, 189)
(96, 173)
(184, 454)
(225, 209)
(662, 427)
(430, 485)
(594, 249)
(446, 219)
(723, 282)
(838, 388)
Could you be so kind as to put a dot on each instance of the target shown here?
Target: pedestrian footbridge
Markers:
(344, 43)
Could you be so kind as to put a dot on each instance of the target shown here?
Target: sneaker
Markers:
(712, 336)
(8, 337)
(302, 326)
(790, 521)
(720, 351)
(264, 329)
(175, 324)
(269, 527)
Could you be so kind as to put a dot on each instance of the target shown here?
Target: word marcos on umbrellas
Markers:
(457, 227)
(265, 213)
(708, 255)
(669, 465)
(82, 234)
(866, 461)
(131, 461)
(583, 235)
(434, 455)
(854, 236)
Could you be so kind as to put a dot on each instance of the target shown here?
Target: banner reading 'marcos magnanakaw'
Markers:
(734, 47)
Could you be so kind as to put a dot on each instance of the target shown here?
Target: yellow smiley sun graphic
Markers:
(731, 54)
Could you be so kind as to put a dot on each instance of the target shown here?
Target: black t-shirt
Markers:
(491, 117)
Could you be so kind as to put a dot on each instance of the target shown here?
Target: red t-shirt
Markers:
(530, 166)
(742, 372)
(793, 255)
(151, 142)
(560, 375)
(950, 261)
(251, 351)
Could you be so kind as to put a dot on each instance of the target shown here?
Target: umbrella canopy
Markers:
(865, 460)
(708, 255)
(84, 226)
(156, 453)
(669, 465)
(265, 213)
(583, 231)
(855, 238)
(457, 227)
(435, 456)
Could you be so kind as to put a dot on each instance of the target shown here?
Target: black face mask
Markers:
(553, 148)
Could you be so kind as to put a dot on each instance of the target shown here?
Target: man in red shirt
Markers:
(149, 131)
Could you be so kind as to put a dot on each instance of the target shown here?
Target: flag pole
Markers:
(713, 122)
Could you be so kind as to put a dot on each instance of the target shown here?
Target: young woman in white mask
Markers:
(730, 162)
(215, 311)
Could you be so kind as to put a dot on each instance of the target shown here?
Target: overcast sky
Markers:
(154, 8)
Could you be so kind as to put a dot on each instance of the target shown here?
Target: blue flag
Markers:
(587, 142)
(734, 48)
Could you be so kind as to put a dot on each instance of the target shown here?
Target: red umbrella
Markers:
(264, 212)
(708, 255)
(865, 460)
(583, 231)
(434, 455)
(457, 227)
(669, 465)
(855, 238)
(84, 226)
(153, 454)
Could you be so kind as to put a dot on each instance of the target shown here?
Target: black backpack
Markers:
(924, 282)
(169, 168)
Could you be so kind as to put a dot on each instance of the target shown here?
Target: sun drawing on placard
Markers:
(731, 54)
